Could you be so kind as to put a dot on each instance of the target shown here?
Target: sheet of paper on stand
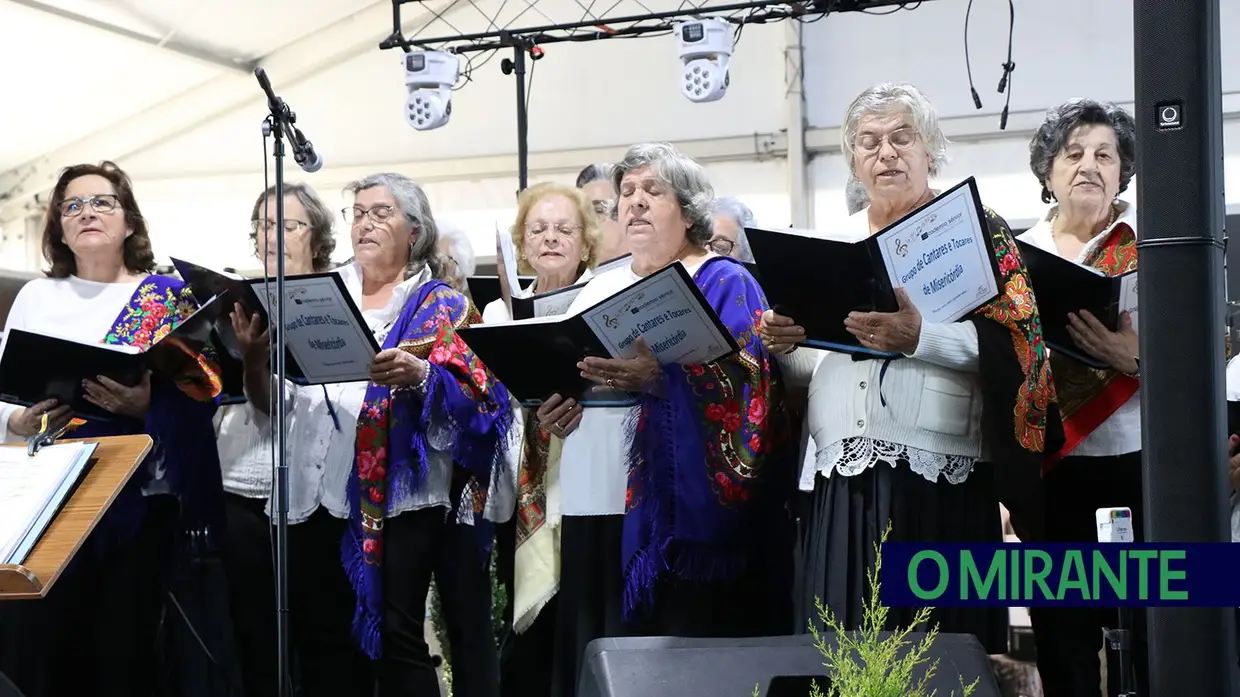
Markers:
(33, 490)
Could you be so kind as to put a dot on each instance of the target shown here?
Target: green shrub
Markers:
(862, 663)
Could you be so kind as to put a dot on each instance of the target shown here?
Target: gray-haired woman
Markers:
(321, 456)
(666, 524)
(728, 234)
(1084, 155)
(431, 430)
(902, 442)
(596, 181)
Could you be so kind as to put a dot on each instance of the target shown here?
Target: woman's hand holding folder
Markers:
(110, 395)
(559, 416)
(897, 332)
(1120, 350)
(780, 334)
(26, 423)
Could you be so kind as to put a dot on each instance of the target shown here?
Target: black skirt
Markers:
(847, 518)
(546, 658)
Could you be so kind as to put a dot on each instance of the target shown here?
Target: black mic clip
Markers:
(1008, 69)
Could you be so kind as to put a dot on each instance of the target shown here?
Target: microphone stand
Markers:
(1119, 641)
(278, 124)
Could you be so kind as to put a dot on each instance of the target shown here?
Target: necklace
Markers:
(1111, 222)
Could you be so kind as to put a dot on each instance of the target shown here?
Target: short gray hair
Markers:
(855, 195)
(600, 171)
(685, 176)
(739, 212)
(888, 99)
(460, 248)
(412, 201)
(322, 240)
(1062, 120)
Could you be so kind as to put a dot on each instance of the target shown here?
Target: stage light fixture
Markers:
(705, 52)
(429, 77)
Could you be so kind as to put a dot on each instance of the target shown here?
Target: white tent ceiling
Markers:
(165, 88)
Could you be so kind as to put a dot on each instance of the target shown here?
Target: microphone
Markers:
(304, 153)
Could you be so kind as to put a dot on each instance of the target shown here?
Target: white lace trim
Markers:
(852, 456)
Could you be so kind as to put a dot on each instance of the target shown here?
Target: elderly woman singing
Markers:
(1083, 156)
(669, 508)
(909, 442)
(429, 452)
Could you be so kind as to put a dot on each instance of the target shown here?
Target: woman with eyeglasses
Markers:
(429, 473)
(319, 424)
(728, 231)
(913, 442)
(556, 234)
(96, 633)
(595, 181)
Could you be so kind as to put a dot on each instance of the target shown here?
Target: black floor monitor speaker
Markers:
(1180, 209)
(778, 666)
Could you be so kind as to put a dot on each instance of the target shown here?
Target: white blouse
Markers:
(320, 447)
(594, 475)
(925, 408)
(79, 310)
(1120, 434)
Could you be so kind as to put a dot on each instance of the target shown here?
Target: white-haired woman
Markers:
(668, 521)
(1084, 155)
(429, 469)
(910, 442)
(731, 217)
(458, 252)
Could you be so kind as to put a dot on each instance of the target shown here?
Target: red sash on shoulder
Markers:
(1089, 396)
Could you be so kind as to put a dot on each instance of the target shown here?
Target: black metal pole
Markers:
(1180, 203)
(523, 141)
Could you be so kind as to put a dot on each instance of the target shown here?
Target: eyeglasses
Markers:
(900, 139)
(538, 229)
(290, 226)
(722, 246)
(103, 203)
(378, 214)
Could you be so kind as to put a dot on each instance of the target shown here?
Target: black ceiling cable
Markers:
(1005, 80)
(968, 66)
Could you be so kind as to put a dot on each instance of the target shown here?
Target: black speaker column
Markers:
(1180, 223)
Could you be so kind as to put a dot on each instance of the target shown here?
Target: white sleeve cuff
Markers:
(798, 367)
(952, 346)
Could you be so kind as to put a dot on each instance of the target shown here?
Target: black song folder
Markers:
(35, 367)
(484, 290)
(207, 283)
(818, 281)
(1062, 286)
(537, 358)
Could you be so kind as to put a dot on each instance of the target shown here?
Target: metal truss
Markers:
(621, 19)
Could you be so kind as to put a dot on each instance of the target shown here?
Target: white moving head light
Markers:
(429, 77)
(705, 50)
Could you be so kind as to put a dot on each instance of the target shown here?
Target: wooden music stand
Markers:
(112, 464)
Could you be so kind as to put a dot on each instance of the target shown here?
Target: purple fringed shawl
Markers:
(701, 470)
(178, 420)
(391, 452)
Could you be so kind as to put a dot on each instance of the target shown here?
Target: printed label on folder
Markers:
(321, 331)
(940, 257)
(667, 314)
